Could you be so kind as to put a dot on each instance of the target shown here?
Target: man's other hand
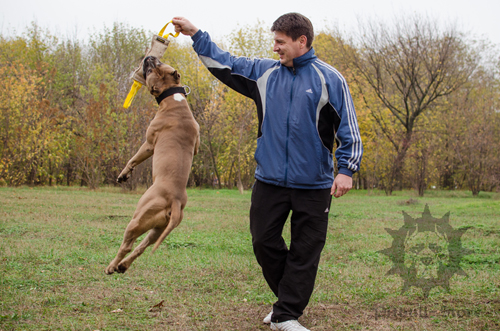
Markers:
(341, 185)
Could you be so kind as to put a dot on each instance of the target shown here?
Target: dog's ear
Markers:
(177, 76)
(154, 90)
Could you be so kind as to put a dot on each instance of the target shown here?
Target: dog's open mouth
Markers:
(149, 64)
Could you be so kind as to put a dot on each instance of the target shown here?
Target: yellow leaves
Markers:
(61, 107)
(25, 124)
(251, 41)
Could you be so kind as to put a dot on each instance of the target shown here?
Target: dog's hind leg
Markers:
(150, 214)
(150, 239)
(130, 236)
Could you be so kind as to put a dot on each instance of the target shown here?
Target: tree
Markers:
(408, 67)
(475, 128)
(34, 133)
(107, 135)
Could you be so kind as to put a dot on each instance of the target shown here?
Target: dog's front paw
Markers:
(124, 176)
(122, 179)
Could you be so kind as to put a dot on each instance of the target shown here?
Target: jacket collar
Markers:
(304, 59)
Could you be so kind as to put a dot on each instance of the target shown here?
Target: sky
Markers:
(70, 19)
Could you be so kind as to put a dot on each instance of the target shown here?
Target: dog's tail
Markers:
(175, 219)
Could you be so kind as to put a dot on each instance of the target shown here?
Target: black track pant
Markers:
(290, 272)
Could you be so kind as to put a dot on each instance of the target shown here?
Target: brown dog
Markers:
(173, 137)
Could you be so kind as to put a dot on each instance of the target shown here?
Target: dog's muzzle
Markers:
(149, 63)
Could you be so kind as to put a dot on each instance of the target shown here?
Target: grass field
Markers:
(56, 242)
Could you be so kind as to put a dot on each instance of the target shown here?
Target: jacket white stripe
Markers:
(211, 63)
(355, 135)
(324, 94)
(262, 86)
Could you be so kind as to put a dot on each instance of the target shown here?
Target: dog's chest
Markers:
(173, 117)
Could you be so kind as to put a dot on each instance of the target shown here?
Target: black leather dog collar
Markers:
(169, 92)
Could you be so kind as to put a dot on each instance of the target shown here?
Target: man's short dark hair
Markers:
(294, 25)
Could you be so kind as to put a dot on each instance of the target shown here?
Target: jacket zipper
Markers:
(288, 127)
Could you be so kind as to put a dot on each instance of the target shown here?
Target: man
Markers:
(303, 107)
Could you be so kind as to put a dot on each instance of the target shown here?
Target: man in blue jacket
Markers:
(304, 108)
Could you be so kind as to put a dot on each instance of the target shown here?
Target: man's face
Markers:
(288, 49)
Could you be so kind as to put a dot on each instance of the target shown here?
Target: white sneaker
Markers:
(267, 319)
(292, 325)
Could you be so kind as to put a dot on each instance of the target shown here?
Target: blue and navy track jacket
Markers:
(302, 111)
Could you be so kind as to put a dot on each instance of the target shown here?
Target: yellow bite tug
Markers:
(158, 47)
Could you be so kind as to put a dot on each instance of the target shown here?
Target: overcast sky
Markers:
(69, 18)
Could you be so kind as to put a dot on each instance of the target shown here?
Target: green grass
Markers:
(56, 242)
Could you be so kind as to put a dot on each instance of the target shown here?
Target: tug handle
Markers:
(169, 34)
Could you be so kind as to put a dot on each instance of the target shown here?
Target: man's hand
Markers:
(183, 26)
(341, 185)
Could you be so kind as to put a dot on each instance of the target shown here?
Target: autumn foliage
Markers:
(427, 101)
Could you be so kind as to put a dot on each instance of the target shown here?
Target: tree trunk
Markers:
(395, 176)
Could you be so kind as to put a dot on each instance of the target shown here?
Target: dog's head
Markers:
(159, 76)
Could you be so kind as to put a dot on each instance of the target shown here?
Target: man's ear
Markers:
(177, 76)
(303, 41)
